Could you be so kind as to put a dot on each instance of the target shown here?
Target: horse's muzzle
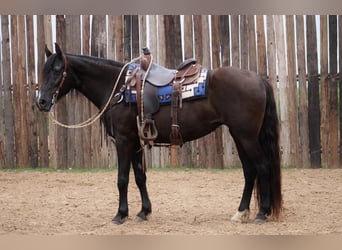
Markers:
(43, 105)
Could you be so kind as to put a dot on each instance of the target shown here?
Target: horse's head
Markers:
(54, 76)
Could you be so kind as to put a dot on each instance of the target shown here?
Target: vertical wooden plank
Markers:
(188, 37)
(244, 41)
(165, 157)
(292, 90)
(127, 38)
(252, 43)
(19, 90)
(224, 34)
(333, 92)
(303, 100)
(216, 62)
(63, 145)
(75, 138)
(142, 32)
(188, 151)
(52, 132)
(135, 36)
(86, 103)
(324, 88)
(31, 80)
(99, 49)
(112, 157)
(206, 153)
(261, 46)
(235, 41)
(224, 38)
(173, 53)
(119, 38)
(285, 142)
(271, 55)
(8, 98)
(154, 156)
(42, 117)
(313, 92)
(231, 158)
(2, 122)
(340, 83)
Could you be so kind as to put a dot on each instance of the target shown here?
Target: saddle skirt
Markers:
(193, 86)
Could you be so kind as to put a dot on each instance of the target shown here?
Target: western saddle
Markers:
(146, 91)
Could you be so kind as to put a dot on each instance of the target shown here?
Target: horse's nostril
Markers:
(42, 102)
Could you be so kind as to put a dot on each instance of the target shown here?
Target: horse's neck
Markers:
(93, 78)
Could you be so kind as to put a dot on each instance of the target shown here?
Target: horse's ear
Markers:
(58, 50)
(48, 53)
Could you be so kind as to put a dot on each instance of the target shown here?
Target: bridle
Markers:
(64, 75)
(95, 117)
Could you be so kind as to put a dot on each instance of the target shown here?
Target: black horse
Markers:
(239, 99)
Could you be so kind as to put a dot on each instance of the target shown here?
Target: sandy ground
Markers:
(193, 202)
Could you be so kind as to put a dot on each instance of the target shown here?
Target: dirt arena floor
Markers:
(184, 202)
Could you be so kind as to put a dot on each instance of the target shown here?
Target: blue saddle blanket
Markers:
(196, 89)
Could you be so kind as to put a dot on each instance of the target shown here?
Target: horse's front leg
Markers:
(124, 160)
(140, 180)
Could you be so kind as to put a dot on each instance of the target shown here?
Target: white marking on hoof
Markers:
(241, 217)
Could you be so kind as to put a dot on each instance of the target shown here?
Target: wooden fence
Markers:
(298, 54)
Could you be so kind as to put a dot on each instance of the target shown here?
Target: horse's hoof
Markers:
(142, 216)
(118, 220)
(260, 219)
(241, 217)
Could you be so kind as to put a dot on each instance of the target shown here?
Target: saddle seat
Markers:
(160, 76)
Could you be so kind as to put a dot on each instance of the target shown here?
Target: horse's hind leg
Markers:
(255, 166)
(140, 180)
(242, 215)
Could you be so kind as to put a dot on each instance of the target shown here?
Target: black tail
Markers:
(269, 140)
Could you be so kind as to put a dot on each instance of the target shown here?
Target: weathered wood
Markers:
(99, 49)
(340, 84)
(31, 98)
(333, 92)
(261, 46)
(86, 146)
(303, 100)
(230, 152)
(313, 93)
(224, 39)
(244, 41)
(173, 50)
(127, 38)
(186, 152)
(165, 156)
(8, 99)
(43, 145)
(48, 40)
(19, 90)
(136, 50)
(235, 41)
(2, 122)
(292, 90)
(252, 58)
(206, 151)
(271, 55)
(324, 88)
(216, 62)
(63, 142)
(75, 103)
(188, 37)
(285, 142)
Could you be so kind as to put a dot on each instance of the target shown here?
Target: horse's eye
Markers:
(57, 68)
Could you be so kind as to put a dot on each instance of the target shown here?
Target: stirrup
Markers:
(148, 131)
